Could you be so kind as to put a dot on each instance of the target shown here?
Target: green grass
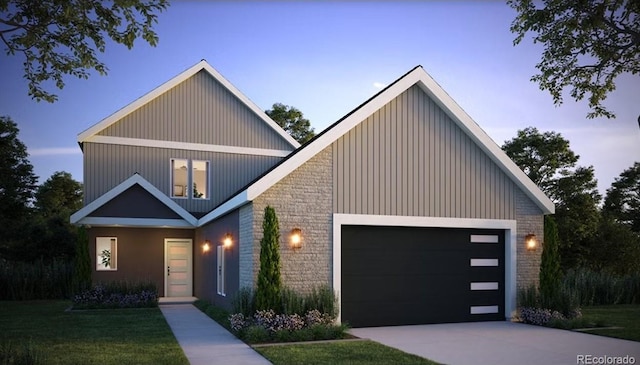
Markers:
(340, 352)
(105, 336)
(625, 316)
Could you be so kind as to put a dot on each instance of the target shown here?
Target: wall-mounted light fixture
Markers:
(296, 238)
(227, 241)
(206, 246)
(531, 242)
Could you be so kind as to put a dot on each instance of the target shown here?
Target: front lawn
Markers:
(339, 352)
(625, 316)
(105, 336)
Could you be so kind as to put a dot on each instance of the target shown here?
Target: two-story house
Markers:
(405, 206)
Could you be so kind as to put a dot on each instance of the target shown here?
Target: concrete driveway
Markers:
(502, 343)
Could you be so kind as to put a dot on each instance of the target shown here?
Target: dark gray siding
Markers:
(205, 277)
(106, 166)
(135, 202)
(198, 110)
(410, 158)
(140, 253)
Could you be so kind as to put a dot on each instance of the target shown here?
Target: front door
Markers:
(178, 267)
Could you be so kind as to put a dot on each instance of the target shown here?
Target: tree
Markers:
(549, 162)
(541, 156)
(82, 262)
(587, 44)
(269, 282)
(17, 183)
(292, 121)
(550, 274)
(622, 201)
(614, 248)
(60, 38)
(60, 194)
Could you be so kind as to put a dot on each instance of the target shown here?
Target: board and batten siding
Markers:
(410, 158)
(107, 165)
(198, 110)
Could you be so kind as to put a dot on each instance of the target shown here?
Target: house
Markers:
(405, 206)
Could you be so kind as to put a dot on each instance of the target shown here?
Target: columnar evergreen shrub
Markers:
(82, 262)
(550, 274)
(269, 282)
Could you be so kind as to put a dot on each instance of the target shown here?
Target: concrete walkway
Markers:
(204, 341)
(500, 343)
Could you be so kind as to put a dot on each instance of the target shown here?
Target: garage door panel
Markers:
(414, 275)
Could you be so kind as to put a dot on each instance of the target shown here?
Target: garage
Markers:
(396, 275)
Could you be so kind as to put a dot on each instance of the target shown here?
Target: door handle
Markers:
(168, 271)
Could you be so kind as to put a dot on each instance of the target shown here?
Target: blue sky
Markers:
(325, 58)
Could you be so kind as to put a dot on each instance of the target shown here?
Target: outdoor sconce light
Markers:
(227, 241)
(531, 242)
(206, 246)
(296, 238)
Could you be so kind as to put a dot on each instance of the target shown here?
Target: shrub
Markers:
(242, 302)
(36, 280)
(550, 274)
(82, 262)
(118, 295)
(602, 288)
(256, 334)
(539, 309)
(269, 282)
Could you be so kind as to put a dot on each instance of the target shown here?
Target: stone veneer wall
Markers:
(530, 220)
(246, 247)
(303, 199)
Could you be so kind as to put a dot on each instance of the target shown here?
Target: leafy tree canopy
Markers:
(59, 194)
(587, 44)
(622, 201)
(17, 180)
(58, 38)
(549, 161)
(542, 156)
(293, 121)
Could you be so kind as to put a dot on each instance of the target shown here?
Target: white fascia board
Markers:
(331, 135)
(120, 188)
(233, 203)
(482, 139)
(135, 222)
(202, 65)
(155, 143)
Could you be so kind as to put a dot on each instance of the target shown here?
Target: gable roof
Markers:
(83, 215)
(86, 135)
(416, 76)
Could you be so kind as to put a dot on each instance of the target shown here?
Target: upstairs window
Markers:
(179, 178)
(189, 178)
(199, 174)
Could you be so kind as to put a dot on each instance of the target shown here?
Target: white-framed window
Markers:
(200, 179)
(221, 270)
(189, 178)
(106, 253)
(179, 177)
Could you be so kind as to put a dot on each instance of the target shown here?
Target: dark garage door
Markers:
(416, 275)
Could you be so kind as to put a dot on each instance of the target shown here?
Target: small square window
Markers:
(106, 253)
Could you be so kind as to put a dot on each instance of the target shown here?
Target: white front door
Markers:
(178, 267)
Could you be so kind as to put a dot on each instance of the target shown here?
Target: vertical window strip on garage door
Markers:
(483, 262)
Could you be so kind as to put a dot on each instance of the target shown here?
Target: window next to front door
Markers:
(189, 178)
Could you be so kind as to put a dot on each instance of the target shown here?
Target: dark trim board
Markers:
(418, 275)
